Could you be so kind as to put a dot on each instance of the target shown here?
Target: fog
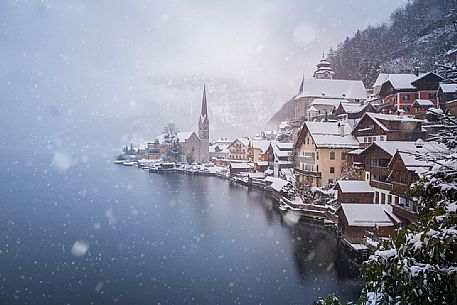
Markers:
(105, 73)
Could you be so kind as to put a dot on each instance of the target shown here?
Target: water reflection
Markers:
(146, 238)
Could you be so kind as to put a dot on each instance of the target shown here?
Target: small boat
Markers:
(167, 167)
(129, 163)
(153, 169)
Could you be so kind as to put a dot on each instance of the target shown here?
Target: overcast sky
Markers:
(81, 57)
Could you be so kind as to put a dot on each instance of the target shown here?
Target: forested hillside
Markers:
(420, 34)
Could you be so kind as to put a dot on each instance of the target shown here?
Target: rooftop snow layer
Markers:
(333, 88)
(354, 186)
(327, 134)
(366, 215)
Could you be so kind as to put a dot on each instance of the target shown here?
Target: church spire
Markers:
(300, 90)
(203, 122)
(204, 112)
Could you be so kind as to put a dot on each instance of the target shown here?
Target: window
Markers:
(317, 155)
(406, 97)
(317, 168)
(330, 181)
(365, 140)
(307, 140)
(343, 155)
(332, 155)
(332, 170)
(432, 95)
(381, 138)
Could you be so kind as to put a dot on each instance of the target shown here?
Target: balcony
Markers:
(400, 188)
(381, 185)
(308, 173)
(378, 170)
(403, 213)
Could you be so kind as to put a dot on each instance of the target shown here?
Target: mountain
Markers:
(235, 109)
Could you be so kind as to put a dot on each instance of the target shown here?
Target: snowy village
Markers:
(347, 157)
(228, 152)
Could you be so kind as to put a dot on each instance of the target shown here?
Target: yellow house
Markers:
(321, 149)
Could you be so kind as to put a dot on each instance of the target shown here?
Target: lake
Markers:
(92, 232)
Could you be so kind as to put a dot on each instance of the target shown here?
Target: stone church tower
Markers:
(203, 122)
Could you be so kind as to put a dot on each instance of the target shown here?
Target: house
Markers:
(353, 191)
(257, 150)
(321, 149)
(238, 149)
(391, 168)
(446, 93)
(420, 107)
(405, 169)
(236, 168)
(278, 156)
(387, 127)
(351, 113)
(321, 107)
(276, 186)
(219, 149)
(354, 220)
(400, 91)
(451, 106)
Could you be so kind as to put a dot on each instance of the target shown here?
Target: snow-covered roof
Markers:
(244, 141)
(327, 134)
(388, 117)
(448, 88)
(352, 108)
(391, 147)
(382, 78)
(260, 144)
(277, 183)
(284, 124)
(366, 215)
(285, 145)
(403, 81)
(312, 109)
(333, 88)
(422, 102)
(328, 101)
(240, 165)
(354, 186)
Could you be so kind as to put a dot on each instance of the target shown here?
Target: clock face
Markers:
(326, 74)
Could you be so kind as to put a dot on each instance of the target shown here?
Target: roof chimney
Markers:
(341, 129)
(416, 71)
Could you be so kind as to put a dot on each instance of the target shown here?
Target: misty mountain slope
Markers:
(234, 109)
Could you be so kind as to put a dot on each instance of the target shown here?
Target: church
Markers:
(322, 93)
(196, 146)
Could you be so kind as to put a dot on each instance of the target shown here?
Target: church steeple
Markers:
(300, 90)
(203, 122)
(324, 69)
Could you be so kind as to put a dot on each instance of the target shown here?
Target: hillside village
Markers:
(346, 156)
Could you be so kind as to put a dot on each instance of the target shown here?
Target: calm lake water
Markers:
(99, 233)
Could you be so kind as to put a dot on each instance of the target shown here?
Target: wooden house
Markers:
(387, 127)
(354, 220)
(354, 191)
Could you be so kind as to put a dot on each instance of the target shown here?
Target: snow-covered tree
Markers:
(419, 264)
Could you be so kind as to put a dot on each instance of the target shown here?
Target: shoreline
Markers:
(321, 215)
